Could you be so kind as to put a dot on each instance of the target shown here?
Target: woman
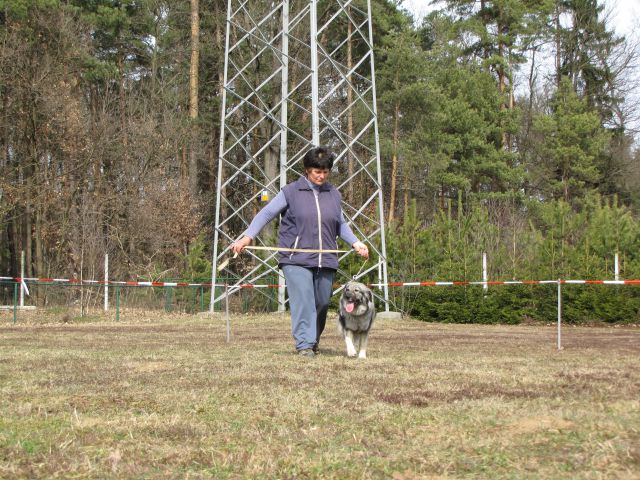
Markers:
(312, 219)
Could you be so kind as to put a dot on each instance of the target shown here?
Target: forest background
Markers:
(506, 128)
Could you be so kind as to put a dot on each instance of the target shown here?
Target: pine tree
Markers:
(497, 33)
(572, 141)
(585, 50)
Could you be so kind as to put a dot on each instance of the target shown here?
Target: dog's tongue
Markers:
(349, 307)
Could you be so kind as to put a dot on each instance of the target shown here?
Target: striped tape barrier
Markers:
(75, 281)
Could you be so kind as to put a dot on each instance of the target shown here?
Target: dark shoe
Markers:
(306, 352)
(316, 349)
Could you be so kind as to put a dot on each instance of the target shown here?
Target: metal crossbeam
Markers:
(296, 77)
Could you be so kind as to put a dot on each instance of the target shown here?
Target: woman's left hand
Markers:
(361, 249)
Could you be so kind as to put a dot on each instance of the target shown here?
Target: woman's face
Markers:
(318, 176)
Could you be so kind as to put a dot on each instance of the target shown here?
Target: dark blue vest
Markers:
(307, 224)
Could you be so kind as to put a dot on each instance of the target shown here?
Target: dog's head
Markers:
(356, 298)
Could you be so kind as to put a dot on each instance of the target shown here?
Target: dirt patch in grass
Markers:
(531, 425)
(468, 392)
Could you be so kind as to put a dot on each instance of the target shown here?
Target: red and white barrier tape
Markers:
(76, 281)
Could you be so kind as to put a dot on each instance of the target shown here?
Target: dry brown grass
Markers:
(168, 397)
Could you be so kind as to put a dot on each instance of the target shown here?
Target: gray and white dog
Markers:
(355, 317)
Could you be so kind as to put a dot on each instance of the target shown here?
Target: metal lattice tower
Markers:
(297, 74)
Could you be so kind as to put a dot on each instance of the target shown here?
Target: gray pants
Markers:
(309, 295)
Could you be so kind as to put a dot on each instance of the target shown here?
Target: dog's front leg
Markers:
(363, 345)
(348, 339)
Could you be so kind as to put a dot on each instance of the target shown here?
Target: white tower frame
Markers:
(296, 77)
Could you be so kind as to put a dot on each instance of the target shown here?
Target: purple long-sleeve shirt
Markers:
(275, 207)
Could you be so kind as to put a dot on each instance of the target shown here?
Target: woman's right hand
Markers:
(238, 245)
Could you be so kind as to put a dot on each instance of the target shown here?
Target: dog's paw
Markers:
(363, 355)
(352, 354)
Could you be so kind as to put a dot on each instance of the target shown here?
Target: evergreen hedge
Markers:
(523, 241)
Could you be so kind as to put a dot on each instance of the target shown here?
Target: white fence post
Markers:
(106, 282)
(616, 267)
(22, 282)
(281, 289)
(484, 272)
(559, 314)
(226, 309)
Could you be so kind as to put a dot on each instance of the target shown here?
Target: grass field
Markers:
(168, 397)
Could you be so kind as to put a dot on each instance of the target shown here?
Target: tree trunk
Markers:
(39, 251)
(15, 243)
(219, 43)
(532, 82)
(558, 46)
(122, 105)
(502, 82)
(394, 163)
(193, 96)
(28, 239)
